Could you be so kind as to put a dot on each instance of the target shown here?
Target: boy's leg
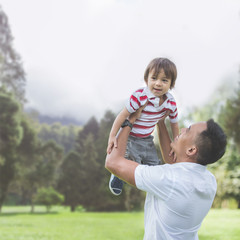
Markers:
(151, 155)
(143, 151)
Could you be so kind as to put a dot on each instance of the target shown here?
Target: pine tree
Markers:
(70, 180)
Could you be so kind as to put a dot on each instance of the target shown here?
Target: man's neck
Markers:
(185, 159)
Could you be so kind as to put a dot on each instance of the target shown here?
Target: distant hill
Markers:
(63, 120)
(34, 114)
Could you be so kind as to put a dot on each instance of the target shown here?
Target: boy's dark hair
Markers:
(168, 66)
(211, 144)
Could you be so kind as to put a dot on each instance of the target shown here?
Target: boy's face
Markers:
(158, 85)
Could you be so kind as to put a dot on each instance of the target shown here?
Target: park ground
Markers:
(17, 223)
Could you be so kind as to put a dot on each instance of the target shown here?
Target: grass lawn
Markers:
(16, 223)
(221, 224)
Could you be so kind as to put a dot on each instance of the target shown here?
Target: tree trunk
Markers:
(73, 208)
(127, 201)
(2, 197)
(32, 208)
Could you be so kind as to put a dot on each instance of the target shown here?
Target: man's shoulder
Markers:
(158, 171)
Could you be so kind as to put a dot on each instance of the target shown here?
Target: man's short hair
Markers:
(211, 144)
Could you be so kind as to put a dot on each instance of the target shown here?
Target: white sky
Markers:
(84, 57)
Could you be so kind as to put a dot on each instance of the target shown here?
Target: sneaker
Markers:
(115, 185)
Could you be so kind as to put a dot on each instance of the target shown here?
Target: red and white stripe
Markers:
(152, 113)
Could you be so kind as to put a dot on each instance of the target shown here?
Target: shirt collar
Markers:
(193, 165)
(149, 94)
(151, 97)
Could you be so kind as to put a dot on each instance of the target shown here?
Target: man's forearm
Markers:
(164, 141)
(117, 164)
(115, 161)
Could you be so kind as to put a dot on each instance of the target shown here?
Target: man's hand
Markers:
(134, 116)
(165, 115)
(173, 155)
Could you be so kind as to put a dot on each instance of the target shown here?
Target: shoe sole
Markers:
(109, 185)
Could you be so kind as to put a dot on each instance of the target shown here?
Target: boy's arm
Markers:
(124, 114)
(165, 142)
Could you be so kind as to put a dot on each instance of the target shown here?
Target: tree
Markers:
(213, 106)
(230, 119)
(50, 158)
(70, 180)
(62, 135)
(106, 201)
(233, 177)
(44, 171)
(48, 197)
(12, 74)
(10, 138)
(223, 106)
(90, 177)
(27, 157)
(90, 127)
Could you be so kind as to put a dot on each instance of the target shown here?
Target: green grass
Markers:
(16, 223)
(221, 224)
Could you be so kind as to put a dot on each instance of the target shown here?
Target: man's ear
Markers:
(191, 151)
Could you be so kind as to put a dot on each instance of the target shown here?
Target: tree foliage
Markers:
(230, 118)
(224, 108)
(12, 74)
(70, 181)
(10, 138)
(62, 135)
(48, 197)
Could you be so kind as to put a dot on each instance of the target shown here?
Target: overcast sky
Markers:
(84, 57)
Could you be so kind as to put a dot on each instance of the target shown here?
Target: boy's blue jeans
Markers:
(142, 150)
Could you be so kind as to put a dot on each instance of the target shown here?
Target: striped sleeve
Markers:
(135, 101)
(173, 116)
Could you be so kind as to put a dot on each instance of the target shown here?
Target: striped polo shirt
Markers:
(152, 113)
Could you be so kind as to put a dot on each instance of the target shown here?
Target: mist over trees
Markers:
(69, 159)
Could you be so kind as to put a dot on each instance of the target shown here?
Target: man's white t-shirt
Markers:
(178, 198)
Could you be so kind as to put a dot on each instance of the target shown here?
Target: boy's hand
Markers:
(112, 142)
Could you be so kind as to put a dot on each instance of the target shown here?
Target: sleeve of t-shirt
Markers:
(173, 116)
(133, 103)
(157, 180)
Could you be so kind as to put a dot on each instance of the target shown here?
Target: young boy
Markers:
(160, 76)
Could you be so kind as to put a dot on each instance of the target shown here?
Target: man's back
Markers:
(178, 198)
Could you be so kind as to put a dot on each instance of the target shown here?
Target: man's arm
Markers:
(165, 142)
(117, 164)
(175, 129)
(115, 161)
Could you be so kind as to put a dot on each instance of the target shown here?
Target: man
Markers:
(179, 193)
